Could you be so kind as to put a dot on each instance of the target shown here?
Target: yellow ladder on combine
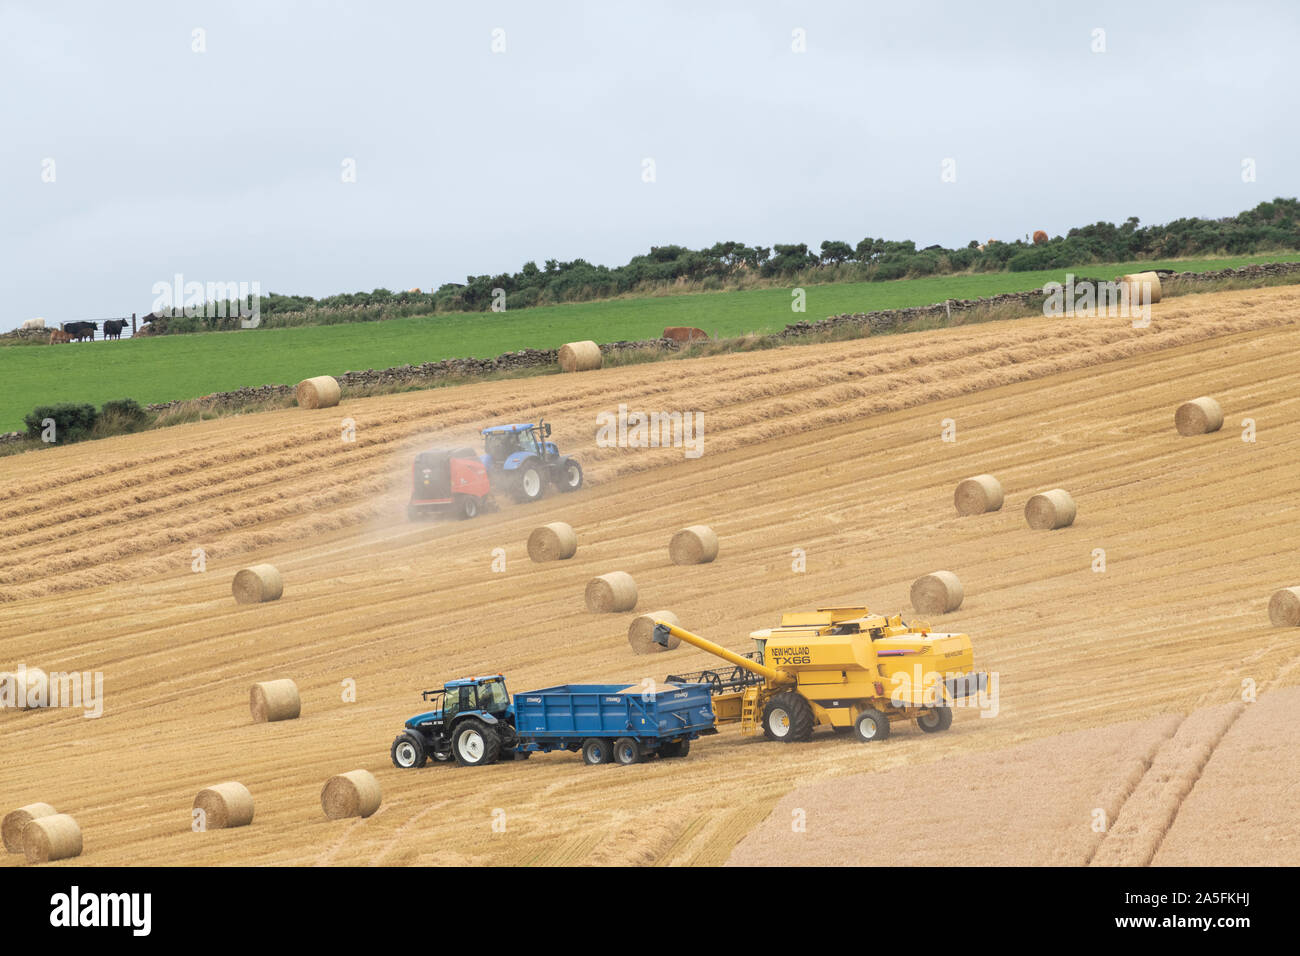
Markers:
(749, 716)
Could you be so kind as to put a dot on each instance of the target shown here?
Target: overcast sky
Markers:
(228, 164)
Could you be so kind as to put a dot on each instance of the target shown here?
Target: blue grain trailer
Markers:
(473, 721)
(607, 722)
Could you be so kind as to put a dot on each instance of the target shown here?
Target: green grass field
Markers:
(187, 366)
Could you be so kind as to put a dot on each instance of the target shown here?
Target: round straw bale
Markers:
(556, 541)
(258, 584)
(937, 593)
(56, 837)
(1132, 286)
(274, 700)
(694, 545)
(225, 805)
(1049, 510)
(641, 632)
(320, 392)
(15, 820)
(1198, 417)
(352, 794)
(975, 496)
(580, 357)
(615, 591)
(1284, 607)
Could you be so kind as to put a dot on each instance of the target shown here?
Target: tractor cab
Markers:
(469, 695)
(500, 442)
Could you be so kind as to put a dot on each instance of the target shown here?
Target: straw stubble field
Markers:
(834, 449)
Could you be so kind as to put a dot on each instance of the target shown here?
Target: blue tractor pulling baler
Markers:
(521, 459)
(474, 722)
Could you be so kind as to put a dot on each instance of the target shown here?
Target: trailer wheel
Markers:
(871, 725)
(627, 751)
(570, 475)
(408, 752)
(474, 743)
(412, 513)
(935, 719)
(528, 481)
(467, 507)
(788, 717)
(675, 748)
(597, 751)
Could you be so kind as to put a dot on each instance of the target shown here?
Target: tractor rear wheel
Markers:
(596, 751)
(569, 475)
(474, 743)
(935, 719)
(871, 725)
(788, 717)
(627, 751)
(408, 752)
(528, 481)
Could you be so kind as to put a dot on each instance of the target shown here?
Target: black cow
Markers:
(113, 328)
(81, 330)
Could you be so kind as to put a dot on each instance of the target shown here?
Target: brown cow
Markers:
(58, 335)
(684, 335)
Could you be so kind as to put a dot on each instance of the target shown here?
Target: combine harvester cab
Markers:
(451, 481)
(841, 667)
(474, 722)
(521, 460)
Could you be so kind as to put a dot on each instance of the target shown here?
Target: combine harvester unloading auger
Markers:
(842, 667)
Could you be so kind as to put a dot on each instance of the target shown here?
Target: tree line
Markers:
(1271, 225)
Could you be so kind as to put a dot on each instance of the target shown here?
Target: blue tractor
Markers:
(521, 461)
(471, 722)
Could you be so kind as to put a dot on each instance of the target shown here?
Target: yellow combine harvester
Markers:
(842, 667)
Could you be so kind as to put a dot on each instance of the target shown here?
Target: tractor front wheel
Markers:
(935, 719)
(474, 743)
(569, 475)
(408, 752)
(788, 717)
(528, 482)
(871, 725)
